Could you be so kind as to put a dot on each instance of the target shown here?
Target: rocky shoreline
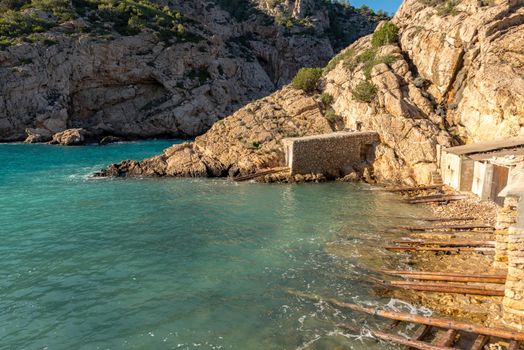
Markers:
(480, 309)
(416, 98)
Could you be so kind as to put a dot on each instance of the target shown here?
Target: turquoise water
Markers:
(177, 263)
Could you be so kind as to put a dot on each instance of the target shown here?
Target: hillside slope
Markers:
(440, 74)
(144, 68)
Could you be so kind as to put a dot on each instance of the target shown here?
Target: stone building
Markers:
(334, 155)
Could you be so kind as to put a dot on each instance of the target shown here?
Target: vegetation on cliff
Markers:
(21, 20)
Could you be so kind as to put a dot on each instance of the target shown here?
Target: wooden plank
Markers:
(413, 318)
(490, 232)
(421, 332)
(397, 339)
(436, 198)
(443, 249)
(496, 279)
(446, 243)
(455, 279)
(447, 227)
(447, 288)
(456, 274)
(448, 338)
(414, 188)
(447, 219)
(479, 343)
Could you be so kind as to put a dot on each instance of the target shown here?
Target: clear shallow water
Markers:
(177, 263)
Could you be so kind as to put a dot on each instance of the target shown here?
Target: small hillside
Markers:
(140, 69)
(435, 75)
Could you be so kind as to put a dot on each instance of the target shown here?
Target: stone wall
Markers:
(334, 155)
(506, 216)
(513, 304)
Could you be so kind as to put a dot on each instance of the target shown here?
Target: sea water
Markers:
(91, 263)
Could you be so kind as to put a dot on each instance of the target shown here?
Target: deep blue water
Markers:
(177, 263)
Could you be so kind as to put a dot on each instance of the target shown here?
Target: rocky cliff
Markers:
(441, 73)
(155, 68)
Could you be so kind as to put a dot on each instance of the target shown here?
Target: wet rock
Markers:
(110, 139)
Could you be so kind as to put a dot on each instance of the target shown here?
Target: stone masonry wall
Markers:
(506, 216)
(513, 303)
(334, 155)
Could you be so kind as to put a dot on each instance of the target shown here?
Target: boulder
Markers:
(70, 137)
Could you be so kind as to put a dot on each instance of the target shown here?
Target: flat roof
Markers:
(517, 152)
(489, 146)
(333, 135)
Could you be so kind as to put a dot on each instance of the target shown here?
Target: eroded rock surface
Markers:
(248, 140)
(83, 74)
(453, 77)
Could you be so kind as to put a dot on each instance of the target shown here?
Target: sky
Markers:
(389, 6)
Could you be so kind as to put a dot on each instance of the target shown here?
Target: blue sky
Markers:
(387, 5)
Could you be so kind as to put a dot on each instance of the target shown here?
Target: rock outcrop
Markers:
(453, 76)
(248, 140)
(111, 78)
(473, 56)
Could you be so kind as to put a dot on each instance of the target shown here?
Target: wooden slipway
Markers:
(434, 333)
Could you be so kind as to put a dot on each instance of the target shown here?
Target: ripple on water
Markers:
(178, 263)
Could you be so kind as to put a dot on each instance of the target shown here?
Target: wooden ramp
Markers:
(415, 188)
(260, 174)
(433, 333)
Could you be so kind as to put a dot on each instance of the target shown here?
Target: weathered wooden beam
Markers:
(452, 233)
(448, 227)
(430, 321)
(446, 219)
(457, 274)
(448, 338)
(496, 279)
(415, 188)
(479, 343)
(446, 243)
(447, 288)
(421, 332)
(439, 199)
(397, 339)
(443, 249)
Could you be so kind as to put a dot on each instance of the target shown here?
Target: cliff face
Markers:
(473, 55)
(163, 71)
(450, 75)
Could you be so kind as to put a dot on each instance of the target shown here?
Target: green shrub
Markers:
(448, 8)
(326, 99)
(387, 34)
(365, 91)
(331, 116)
(344, 56)
(307, 79)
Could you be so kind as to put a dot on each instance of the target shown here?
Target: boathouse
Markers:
(333, 154)
(483, 168)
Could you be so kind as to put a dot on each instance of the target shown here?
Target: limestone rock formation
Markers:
(453, 76)
(473, 55)
(248, 140)
(139, 80)
(70, 137)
